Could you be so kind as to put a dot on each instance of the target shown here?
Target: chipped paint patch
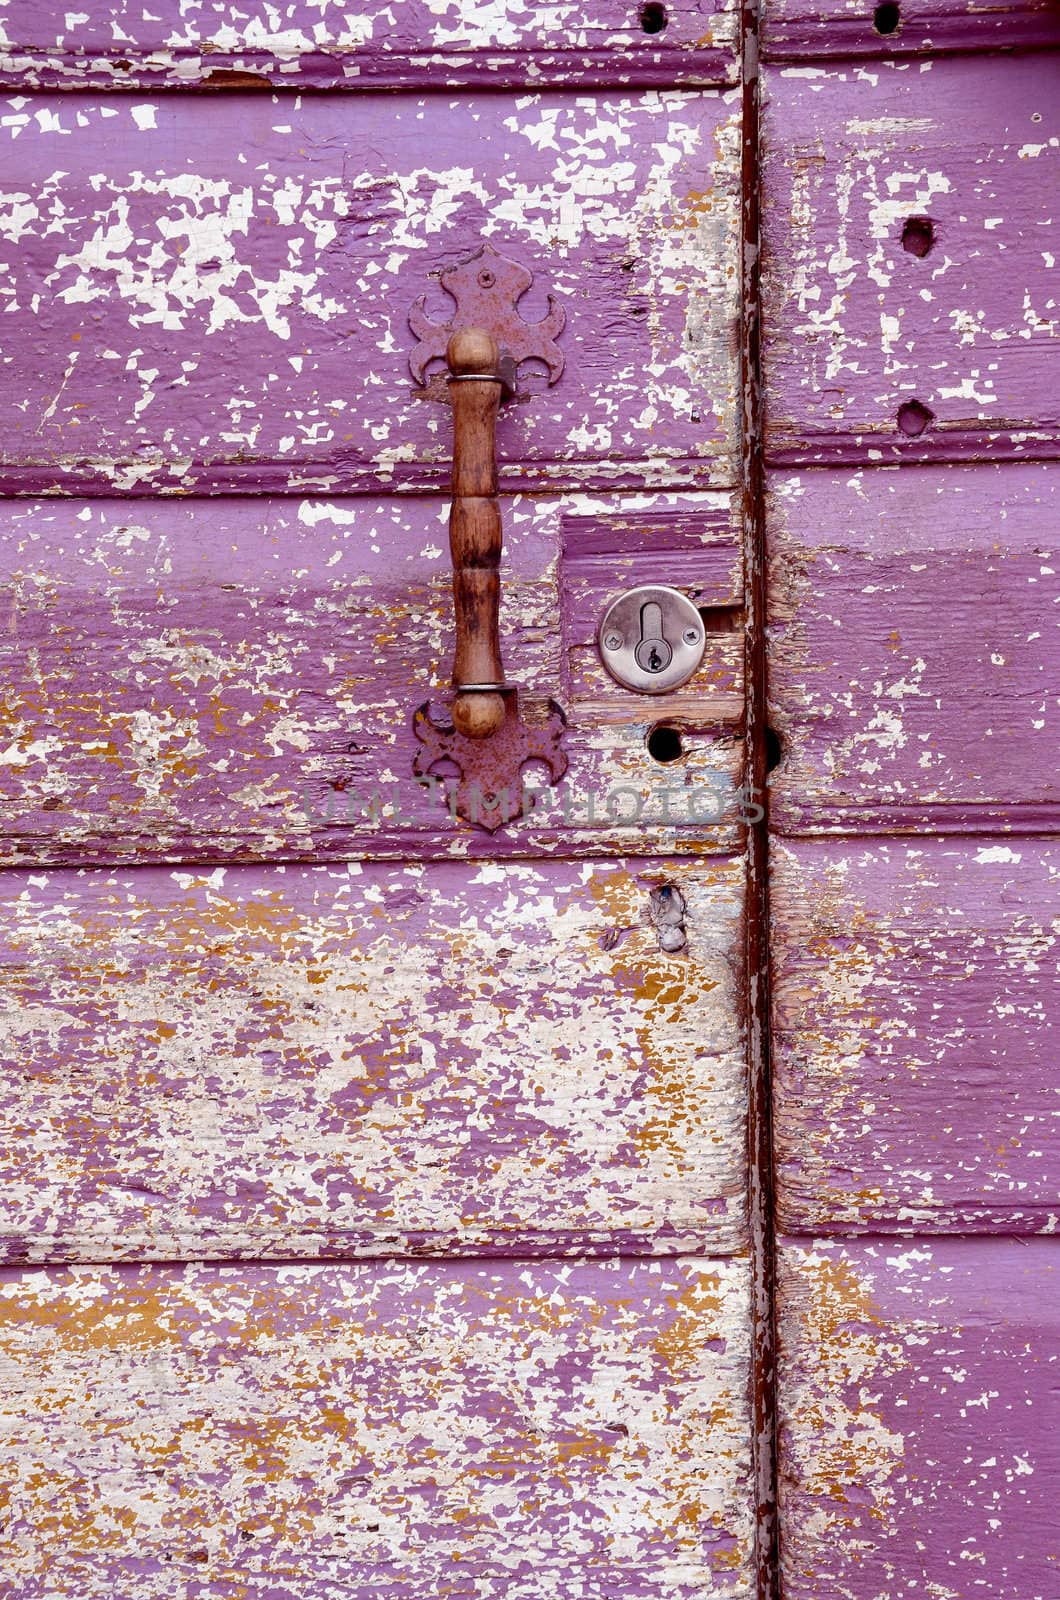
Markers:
(296, 1061)
(270, 1426)
(209, 291)
(919, 1418)
(916, 997)
(856, 326)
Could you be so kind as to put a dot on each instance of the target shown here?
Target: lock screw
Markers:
(691, 636)
(613, 641)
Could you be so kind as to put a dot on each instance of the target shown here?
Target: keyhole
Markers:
(653, 654)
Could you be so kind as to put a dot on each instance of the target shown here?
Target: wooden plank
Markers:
(236, 679)
(920, 1419)
(875, 350)
(214, 293)
(917, 997)
(403, 44)
(366, 1059)
(514, 1431)
(915, 649)
(824, 29)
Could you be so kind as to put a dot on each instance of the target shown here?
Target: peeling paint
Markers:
(305, 1060)
(916, 997)
(220, 301)
(378, 1428)
(322, 44)
(919, 1419)
(856, 325)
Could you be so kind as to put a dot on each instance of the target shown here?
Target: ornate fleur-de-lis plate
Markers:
(487, 289)
(491, 789)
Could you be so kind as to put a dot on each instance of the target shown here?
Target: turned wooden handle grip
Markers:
(475, 533)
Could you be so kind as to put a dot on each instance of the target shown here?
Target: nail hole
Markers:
(887, 17)
(653, 17)
(774, 750)
(664, 744)
(918, 235)
(913, 418)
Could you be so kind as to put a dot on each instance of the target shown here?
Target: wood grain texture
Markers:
(514, 1431)
(856, 325)
(311, 1061)
(182, 44)
(793, 30)
(920, 1419)
(476, 531)
(213, 294)
(236, 679)
(914, 649)
(916, 1003)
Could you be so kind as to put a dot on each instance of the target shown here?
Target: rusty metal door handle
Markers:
(475, 532)
(486, 733)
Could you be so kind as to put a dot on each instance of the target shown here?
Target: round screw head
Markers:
(613, 641)
(691, 636)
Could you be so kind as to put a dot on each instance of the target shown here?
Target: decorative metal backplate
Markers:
(490, 789)
(487, 288)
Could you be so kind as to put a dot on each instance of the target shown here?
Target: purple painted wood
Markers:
(825, 29)
(301, 1061)
(915, 649)
(909, 274)
(214, 294)
(236, 679)
(516, 1431)
(916, 1001)
(181, 44)
(910, 322)
(920, 1411)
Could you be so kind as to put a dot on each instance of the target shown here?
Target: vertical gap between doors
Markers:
(760, 1142)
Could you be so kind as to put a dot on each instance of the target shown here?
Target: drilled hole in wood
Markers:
(664, 744)
(653, 18)
(918, 235)
(913, 418)
(774, 750)
(887, 17)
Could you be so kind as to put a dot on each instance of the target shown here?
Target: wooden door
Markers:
(377, 1210)
(910, 357)
(389, 1201)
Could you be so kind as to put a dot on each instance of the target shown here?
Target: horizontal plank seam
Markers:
(1001, 1235)
(1033, 830)
(562, 87)
(889, 52)
(402, 1258)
